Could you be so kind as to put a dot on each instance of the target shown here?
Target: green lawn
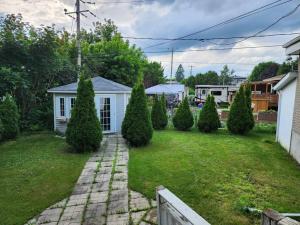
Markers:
(36, 171)
(218, 174)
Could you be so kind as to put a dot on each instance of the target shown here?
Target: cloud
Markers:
(175, 18)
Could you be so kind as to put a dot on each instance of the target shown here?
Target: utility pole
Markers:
(191, 71)
(78, 13)
(172, 63)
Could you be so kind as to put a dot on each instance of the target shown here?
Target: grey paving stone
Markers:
(144, 223)
(137, 216)
(60, 204)
(85, 180)
(82, 188)
(117, 207)
(137, 204)
(119, 185)
(153, 203)
(101, 186)
(80, 199)
(91, 165)
(105, 170)
(52, 223)
(121, 169)
(95, 214)
(73, 214)
(69, 223)
(118, 219)
(120, 177)
(106, 164)
(102, 178)
(98, 197)
(50, 215)
(119, 194)
(151, 216)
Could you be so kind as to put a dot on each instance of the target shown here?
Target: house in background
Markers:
(222, 93)
(264, 97)
(237, 80)
(173, 90)
(288, 120)
(111, 99)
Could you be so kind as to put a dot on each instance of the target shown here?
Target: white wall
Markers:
(285, 114)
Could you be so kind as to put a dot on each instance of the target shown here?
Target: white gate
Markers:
(172, 211)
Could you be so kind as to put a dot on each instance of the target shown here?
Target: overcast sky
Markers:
(176, 18)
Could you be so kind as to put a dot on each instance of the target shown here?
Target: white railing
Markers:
(172, 211)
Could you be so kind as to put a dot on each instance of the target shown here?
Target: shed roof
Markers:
(100, 84)
(293, 46)
(285, 81)
(165, 88)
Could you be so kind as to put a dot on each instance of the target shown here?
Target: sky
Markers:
(178, 18)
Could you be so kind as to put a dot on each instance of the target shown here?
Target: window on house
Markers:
(216, 93)
(62, 106)
(203, 92)
(105, 113)
(72, 103)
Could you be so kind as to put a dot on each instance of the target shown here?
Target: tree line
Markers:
(34, 59)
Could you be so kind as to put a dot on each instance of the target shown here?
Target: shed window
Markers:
(72, 104)
(216, 93)
(203, 92)
(62, 106)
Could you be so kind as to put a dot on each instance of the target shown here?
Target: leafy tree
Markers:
(84, 131)
(226, 76)
(209, 119)
(158, 117)
(164, 103)
(248, 95)
(179, 73)
(183, 119)
(238, 119)
(263, 71)
(287, 67)
(9, 117)
(190, 82)
(153, 74)
(106, 31)
(136, 127)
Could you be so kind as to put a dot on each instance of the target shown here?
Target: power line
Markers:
(206, 39)
(216, 49)
(244, 15)
(208, 63)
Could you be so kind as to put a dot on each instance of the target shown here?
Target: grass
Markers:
(36, 171)
(219, 174)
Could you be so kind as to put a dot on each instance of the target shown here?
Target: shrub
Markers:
(208, 118)
(238, 118)
(183, 119)
(1, 130)
(158, 117)
(249, 106)
(136, 127)
(163, 102)
(84, 131)
(10, 117)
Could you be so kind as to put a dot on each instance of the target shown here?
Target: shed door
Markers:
(107, 113)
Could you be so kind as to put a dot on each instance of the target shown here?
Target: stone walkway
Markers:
(101, 195)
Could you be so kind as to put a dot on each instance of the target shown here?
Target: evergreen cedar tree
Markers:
(209, 119)
(84, 130)
(9, 117)
(136, 127)
(183, 119)
(164, 107)
(158, 117)
(1, 130)
(239, 119)
(248, 94)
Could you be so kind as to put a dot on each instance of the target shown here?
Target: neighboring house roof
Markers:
(165, 88)
(213, 86)
(293, 46)
(285, 81)
(239, 77)
(100, 84)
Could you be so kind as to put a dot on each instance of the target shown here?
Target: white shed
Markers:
(288, 121)
(111, 99)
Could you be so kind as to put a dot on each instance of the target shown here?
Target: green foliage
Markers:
(183, 119)
(158, 116)
(153, 74)
(287, 67)
(164, 103)
(179, 73)
(226, 76)
(10, 117)
(263, 71)
(239, 118)
(84, 131)
(248, 96)
(210, 78)
(1, 129)
(208, 118)
(136, 127)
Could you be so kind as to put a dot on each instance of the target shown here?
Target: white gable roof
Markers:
(165, 88)
(285, 81)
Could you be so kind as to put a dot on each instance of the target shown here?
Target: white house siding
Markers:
(118, 107)
(285, 115)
